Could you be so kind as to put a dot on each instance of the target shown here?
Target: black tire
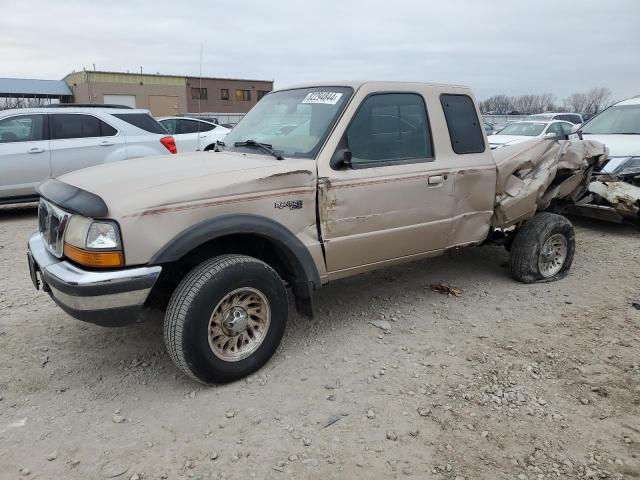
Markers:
(187, 317)
(528, 243)
(208, 148)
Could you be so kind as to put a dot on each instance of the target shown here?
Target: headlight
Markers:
(94, 243)
(103, 236)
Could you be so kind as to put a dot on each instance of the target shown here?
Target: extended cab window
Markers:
(22, 128)
(70, 125)
(390, 128)
(462, 121)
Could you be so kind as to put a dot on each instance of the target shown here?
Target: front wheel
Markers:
(543, 249)
(226, 318)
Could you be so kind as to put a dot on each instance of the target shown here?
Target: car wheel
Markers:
(543, 249)
(226, 318)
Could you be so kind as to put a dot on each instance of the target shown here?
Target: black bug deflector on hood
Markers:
(73, 199)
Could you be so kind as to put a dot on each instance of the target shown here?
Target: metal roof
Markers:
(28, 86)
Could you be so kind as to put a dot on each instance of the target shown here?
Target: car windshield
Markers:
(622, 119)
(294, 123)
(527, 129)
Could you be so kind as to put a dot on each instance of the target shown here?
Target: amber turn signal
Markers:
(93, 258)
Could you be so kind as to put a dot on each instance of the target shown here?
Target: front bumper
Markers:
(109, 298)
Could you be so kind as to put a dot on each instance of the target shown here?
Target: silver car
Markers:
(39, 143)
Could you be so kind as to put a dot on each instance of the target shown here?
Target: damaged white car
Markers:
(614, 193)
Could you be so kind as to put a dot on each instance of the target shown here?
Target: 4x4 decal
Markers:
(290, 204)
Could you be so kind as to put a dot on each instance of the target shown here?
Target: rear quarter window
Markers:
(143, 121)
(463, 124)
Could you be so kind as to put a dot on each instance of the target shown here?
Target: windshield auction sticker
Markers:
(327, 98)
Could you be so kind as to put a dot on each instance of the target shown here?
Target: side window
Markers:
(143, 121)
(186, 126)
(22, 128)
(206, 127)
(556, 129)
(69, 125)
(169, 124)
(390, 128)
(462, 121)
(566, 128)
(107, 130)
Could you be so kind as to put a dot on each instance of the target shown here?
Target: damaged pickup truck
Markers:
(316, 183)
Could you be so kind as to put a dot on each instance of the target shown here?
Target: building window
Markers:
(243, 95)
(198, 93)
(224, 94)
(262, 93)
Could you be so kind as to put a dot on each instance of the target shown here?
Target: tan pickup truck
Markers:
(316, 183)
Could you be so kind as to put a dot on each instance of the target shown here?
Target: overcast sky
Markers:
(494, 46)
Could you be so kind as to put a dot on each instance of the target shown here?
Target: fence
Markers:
(503, 119)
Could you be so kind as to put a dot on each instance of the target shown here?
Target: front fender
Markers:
(295, 252)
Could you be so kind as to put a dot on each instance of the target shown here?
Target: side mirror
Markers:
(550, 135)
(340, 158)
(577, 130)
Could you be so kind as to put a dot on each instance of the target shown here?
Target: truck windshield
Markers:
(620, 120)
(294, 123)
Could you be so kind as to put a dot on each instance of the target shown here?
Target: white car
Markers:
(39, 143)
(524, 130)
(618, 127)
(192, 134)
(575, 118)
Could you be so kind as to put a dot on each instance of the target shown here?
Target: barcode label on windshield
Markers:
(328, 98)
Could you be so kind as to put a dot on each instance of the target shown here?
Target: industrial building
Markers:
(166, 95)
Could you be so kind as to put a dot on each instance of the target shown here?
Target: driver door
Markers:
(395, 200)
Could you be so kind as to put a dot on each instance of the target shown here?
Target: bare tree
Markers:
(576, 102)
(599, 98)
(7, 103)
(499, 104)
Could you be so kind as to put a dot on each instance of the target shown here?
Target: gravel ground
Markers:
(391, 380)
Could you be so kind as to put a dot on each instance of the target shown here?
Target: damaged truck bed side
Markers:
(540, 174)
(316, 183)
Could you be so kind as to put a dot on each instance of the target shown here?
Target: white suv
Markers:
(38, 143)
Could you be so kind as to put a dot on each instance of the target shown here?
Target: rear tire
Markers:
(543, 249)
(226, 318)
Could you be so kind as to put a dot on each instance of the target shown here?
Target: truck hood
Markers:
(135, 186)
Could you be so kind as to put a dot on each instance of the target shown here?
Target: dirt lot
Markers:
(507, 381)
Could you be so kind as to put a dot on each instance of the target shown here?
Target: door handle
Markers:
(35, 150)
(106, 143)
(436, 179)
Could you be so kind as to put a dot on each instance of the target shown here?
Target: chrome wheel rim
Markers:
(239, 324)
(552, 255)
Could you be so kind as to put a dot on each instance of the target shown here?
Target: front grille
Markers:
(51, 223)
